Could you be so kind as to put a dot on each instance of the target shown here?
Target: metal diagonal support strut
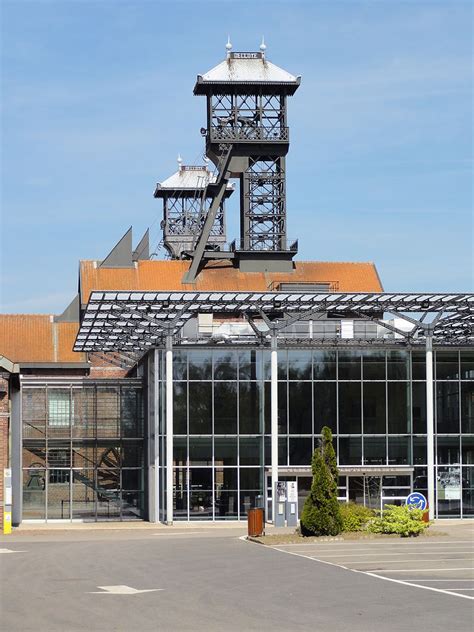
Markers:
(219, 187)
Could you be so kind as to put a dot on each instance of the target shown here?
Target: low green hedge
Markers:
(399, 520)
(355, 517)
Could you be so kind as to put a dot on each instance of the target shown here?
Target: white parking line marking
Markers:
(10, 551)
(388, 579)
(122, 590)
(424, 570)
(378, 543)
(456, 589)
(385, 553)
(405, 583)
(445, 559)
(174, 534)
(440, 580)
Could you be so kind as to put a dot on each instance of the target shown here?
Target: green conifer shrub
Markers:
(321, 512)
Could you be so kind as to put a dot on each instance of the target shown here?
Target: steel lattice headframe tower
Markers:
(186, 202)
(247, 137)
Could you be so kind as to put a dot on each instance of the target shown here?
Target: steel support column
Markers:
(169, 429)
(274, 419)
(430, 424)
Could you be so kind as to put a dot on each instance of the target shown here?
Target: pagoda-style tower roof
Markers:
(247, 69)
(188, 178)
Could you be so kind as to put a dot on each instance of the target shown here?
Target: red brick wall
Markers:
(4, 422)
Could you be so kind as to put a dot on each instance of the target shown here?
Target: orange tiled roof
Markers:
(37, 338)
(221, 276)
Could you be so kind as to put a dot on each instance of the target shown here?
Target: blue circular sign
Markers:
(416, 501)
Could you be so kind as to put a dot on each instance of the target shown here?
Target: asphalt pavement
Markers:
(211, 579)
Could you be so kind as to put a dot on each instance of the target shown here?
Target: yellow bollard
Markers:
(7, 522)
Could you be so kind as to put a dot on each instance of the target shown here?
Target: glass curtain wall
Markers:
(373, 400)
(82, 455)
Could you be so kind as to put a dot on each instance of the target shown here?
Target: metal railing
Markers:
(249, 133)
(275, 243)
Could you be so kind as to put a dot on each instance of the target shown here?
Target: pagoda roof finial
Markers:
(228, 46)
(179, 160)
(263, 46)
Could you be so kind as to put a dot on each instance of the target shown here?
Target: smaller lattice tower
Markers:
(186, 200)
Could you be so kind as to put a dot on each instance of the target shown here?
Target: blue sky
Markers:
(98, 102)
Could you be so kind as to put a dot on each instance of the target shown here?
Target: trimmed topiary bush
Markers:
(321, 512)
(400, 520)
(355, 517)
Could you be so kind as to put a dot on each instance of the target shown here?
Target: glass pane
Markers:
(448, 491)
(131, 413)
(250, 418)
(374, 408)
(200, 408)
(132, 453)
(373, 365)
(301, 450)
(34, 494)
(324, 365)
(419, 451)
(282, 451)
(34, 454)
(132, 479)
(448, 450)
(200, 450)
(180, 451)
(375, 451)
(180, 365)
(467, 450)
(83, 412)
(282, 408)
(301, 406)
(349, 408)
(447, 406)
(108, 505)
(350, 451)
(200, 481)
(397, 365)
(225, 407)
(398, 407)
(467, 407)
(58, 494)
(59, 412)
(225, 451)
(467, 364)
(34, 413)
(227, 501)
(447, 365)
(226, 478)
(282, 365)
(83, 456)
(83, 494)
(399, 451)
(250, 365)
(250, 450)
(419, 407)
(250, 478)
(249, 500)
(349, 365)
(325, 409)
(108, 412)
(418, 365)
(299, 365)
(225, 365)
(180, 495)
(180, 407)
(200, 364)
(133, 505)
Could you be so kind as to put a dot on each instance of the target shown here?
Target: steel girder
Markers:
(137, 321)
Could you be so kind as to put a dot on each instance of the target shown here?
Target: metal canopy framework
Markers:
(133, 322)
